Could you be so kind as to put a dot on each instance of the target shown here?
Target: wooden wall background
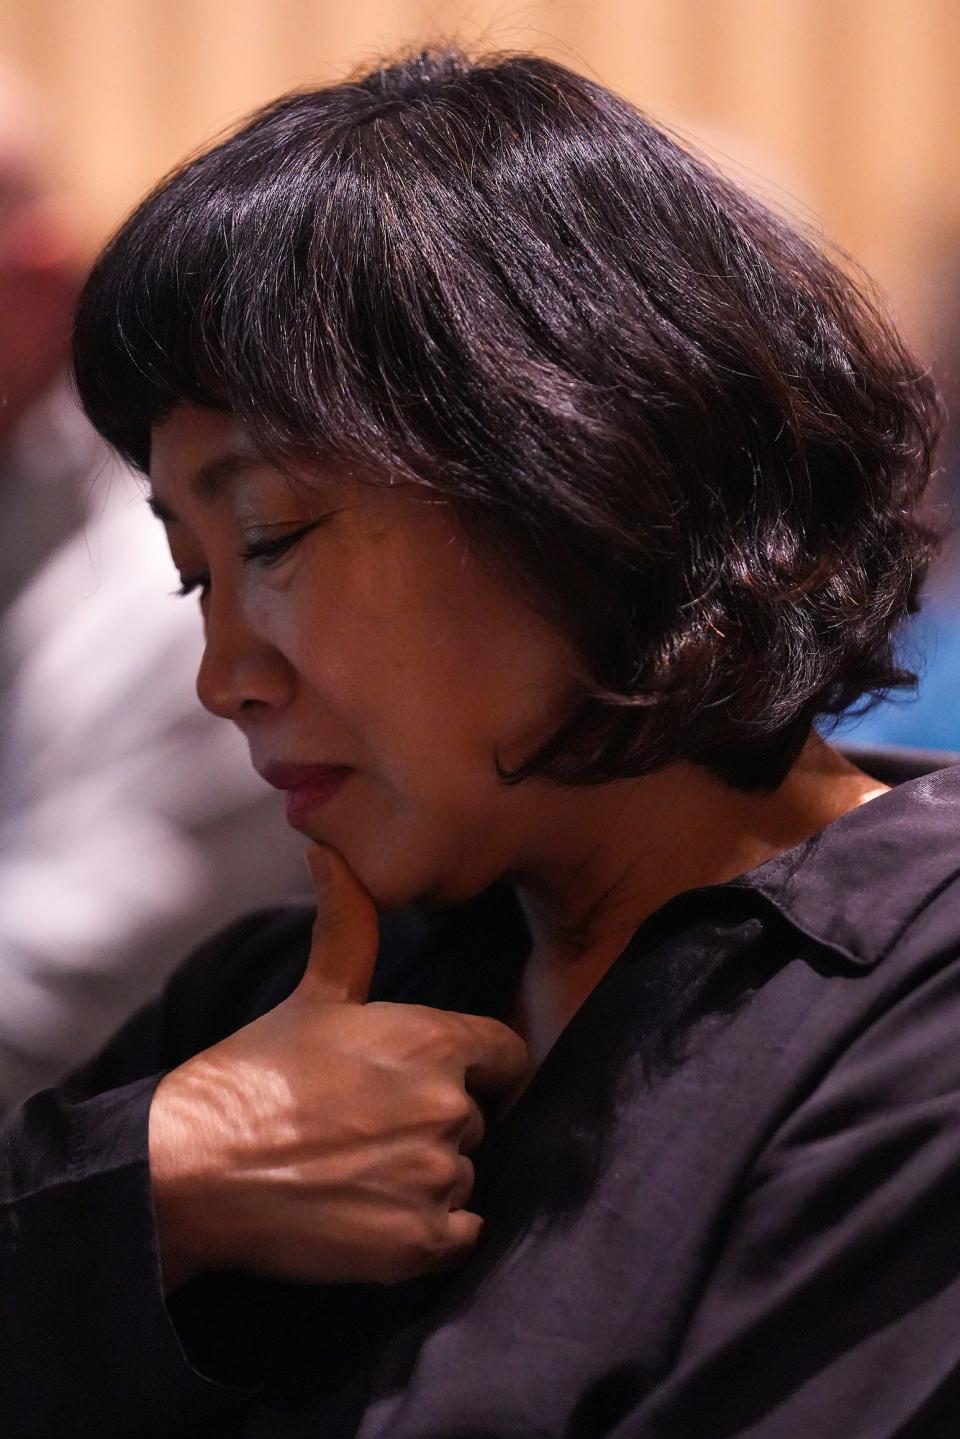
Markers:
(850, 105)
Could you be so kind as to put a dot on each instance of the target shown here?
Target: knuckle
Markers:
(438, 1032)
(425, 1244)
(436, 1242)
(500, 1034)
(463, 1188)
(419, 1033)
(438, 1170)
(472, 1137)
(451, 1107)
(508, 1044)
(466, 1229)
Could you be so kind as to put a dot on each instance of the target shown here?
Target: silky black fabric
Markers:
(727, 1205)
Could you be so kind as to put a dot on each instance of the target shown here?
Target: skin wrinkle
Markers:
(617, 369)
(383, 642)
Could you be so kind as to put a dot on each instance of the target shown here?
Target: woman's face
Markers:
(352, 625)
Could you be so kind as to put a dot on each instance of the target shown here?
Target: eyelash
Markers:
(265, 552)
(191, 585)
(269, 551)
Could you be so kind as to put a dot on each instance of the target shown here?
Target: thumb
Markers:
(346, 932)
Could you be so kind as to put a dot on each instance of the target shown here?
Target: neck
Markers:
(619, 852)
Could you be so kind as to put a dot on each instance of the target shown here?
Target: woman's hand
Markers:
(327, 1141)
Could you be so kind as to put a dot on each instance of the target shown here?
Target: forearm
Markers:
(87, 1331)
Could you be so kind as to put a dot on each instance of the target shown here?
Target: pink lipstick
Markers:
(307, 786)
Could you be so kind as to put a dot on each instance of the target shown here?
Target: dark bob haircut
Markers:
(687, 436)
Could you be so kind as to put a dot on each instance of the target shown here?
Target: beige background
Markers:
(850, 105)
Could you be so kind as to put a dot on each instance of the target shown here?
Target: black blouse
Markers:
(727, 1205)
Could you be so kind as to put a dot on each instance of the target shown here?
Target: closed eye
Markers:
(268, 550)
(265, 550)
(190, 584)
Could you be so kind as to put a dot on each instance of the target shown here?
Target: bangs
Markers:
(302, 284)
(686, 435)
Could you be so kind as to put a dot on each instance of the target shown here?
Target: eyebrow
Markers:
(210, 481)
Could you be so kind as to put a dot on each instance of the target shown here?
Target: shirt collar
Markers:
(856, 885)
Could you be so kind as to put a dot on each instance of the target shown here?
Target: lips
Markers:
(307, 786)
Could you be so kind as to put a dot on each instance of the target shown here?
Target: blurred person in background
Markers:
(130, 822)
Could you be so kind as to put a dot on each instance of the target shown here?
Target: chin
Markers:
(430, 887)
(436, 894)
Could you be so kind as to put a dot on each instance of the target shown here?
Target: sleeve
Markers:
(87, 1342)
(832, 1307)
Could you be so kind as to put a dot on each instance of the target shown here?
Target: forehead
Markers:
(199, 456)
(190, 440)
(202, 456)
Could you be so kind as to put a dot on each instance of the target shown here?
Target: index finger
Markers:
(495, 1057)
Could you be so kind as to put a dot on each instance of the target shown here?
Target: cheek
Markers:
(445, 712)
(423, 665)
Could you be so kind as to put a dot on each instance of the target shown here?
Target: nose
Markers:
(241, 673)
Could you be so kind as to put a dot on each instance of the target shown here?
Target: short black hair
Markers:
(688, 435)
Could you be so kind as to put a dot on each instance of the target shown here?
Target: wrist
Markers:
(183, 1173)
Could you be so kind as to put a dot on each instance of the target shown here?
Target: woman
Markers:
(541, 490)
